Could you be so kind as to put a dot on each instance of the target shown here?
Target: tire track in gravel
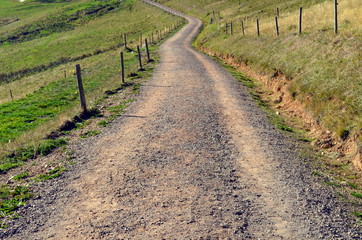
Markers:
(193, 158)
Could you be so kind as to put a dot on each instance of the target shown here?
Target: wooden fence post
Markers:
(277, 12)
(276, 26)
(257, 27)
(125, 41)
(122, 67)
(300, 20)
(11, 95)
(148, 51)
(141, 40)
(139, 58)
(335, 16)
(242, 28)
(80, 88)
(226, 28)
(231, 28)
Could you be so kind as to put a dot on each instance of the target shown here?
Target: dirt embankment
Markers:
(275, 90)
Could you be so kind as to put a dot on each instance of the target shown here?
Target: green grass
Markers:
(250, 83)
(136, 88)
(317, 173)
(357, 195)
(333, 184)
(59, 46)
(90, 133)
(21, 176)
(103, 123)
(11, 198)
(44, 99)
(27, 113)
(358, 215)
(354, 185)
(20, 156)
(119, 109)
(54, 173)
(319, 64)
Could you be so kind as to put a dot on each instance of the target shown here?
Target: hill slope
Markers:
(315, 75)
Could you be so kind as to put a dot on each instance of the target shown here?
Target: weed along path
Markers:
(192, 158)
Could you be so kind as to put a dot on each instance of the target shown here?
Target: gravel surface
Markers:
(193, 158)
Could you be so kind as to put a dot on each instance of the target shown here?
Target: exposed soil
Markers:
(275, 90)
(193, 158)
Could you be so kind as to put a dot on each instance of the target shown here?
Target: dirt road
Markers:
(193, 158)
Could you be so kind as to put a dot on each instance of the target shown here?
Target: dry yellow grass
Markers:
(319, 17)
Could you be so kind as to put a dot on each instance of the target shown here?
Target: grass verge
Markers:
(322, 69)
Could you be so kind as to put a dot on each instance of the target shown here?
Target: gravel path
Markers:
(193, 158)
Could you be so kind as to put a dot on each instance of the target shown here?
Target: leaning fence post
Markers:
(300, 20)
(80, 88)
(276, 26)
(125, 41)
(122, 67)
(11, 95)
(147, 50)
(139, 58)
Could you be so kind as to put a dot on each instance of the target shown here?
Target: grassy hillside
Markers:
(323, 69)
(39, 69)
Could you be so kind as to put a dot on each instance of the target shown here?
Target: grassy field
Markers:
(83, 37)
(323, 68)
(44, 93)
(40, 44)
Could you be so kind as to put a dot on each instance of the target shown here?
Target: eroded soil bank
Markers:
(275, 90)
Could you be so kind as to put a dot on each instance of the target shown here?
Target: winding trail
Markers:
(193, 158)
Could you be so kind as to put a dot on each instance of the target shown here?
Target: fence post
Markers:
(122, 67)
(242, 28)
(231, 28)
(257, 27)
(11, 95)
(226, 28)
(141, 40)
(148, 51)
(125, 41)
(300, 20)
(139, 58)
(277, 12)
(276, 26)
(335, 16)
(80, 88)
